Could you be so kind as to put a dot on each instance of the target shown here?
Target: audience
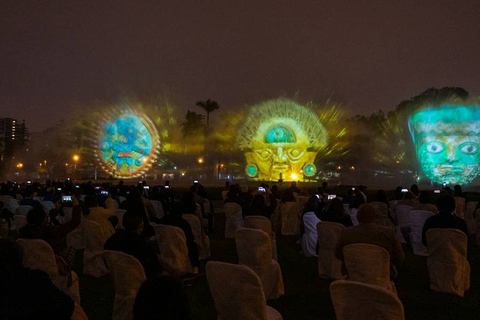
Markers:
(40, 227)
(174, 218)
(369, 232)
(100, 215)
(445, 218)
(425, 203)
(335, 212)
(131, 241)
(310, 221)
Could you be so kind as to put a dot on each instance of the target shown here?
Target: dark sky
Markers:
(370, 54)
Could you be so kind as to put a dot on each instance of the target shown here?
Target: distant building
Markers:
(13, 138)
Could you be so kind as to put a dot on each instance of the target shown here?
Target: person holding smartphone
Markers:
(40, 227)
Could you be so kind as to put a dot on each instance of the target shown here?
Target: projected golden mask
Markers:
(281, 139)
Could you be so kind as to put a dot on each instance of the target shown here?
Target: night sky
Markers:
(58, 55)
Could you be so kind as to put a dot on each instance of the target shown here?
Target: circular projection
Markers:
(280, 139)
(128, 144)
(447, 140)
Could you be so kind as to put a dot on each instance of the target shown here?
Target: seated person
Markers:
(130, 241)
(174, 218)
(335, 212)
(369, 232)
(445, 218)
(161, 298)
(28, 198)
(100, 215)
(40, 227)
(26, 293)
(425, 203)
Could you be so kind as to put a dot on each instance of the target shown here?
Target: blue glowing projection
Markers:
(128, 145)
(447, 140)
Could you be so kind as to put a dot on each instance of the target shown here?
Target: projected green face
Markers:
(448, 143)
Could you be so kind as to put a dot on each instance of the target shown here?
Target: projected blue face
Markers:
(126, 145)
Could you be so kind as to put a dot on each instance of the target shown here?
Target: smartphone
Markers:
(67, 199)
(146, 187)
(167, 187)
(59, 189)
(261, 189)
(436, 191)
(353, 189)
(104, 193)
(77, 186)
(404, 190)
(318, 197)
(68, 179)
(331, 196)
(29, 181)
(195, 181)
(97, 188)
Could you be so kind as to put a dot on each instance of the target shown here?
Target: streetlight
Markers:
(76, 158)
(19, 165)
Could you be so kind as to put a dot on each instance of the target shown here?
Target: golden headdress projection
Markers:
(281, 139)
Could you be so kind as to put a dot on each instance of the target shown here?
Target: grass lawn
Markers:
(306, 295)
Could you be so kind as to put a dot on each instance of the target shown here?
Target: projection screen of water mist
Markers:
(280, 140)
(447, 141)
(128, 144)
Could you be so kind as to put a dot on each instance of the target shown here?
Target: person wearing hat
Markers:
(368, 232)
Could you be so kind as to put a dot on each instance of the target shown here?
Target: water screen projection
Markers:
(128, 144)
(447, 140)
(280, 140)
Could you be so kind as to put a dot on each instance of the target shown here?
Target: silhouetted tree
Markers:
(209, 106)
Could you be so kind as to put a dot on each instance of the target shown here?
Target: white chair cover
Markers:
(353, 215)
(237, 292)
(460, 207)
(202, 239)
(275, 218)
(198, 213)
(119, 214)
(10, 204)
(469, 219)
(173, 249)
(93, 263)
(416, 221)
(67, 215)
(381, 214)
(368, 263)
(255, 251)
(233, 219)
(158, 208)
(290, 216)
(329, 266)
(264, 224)
(75, 238)
(19, 221)
(115, 204)
(37, 254)
(121, 199)
(48, 205)
(447, 263)
(310, 236)
(361, 301)
(128, 275)
(402, 212)
(23, 210)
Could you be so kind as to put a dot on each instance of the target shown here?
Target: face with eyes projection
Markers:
(448, 143)
(281, 139)
(280, 151)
